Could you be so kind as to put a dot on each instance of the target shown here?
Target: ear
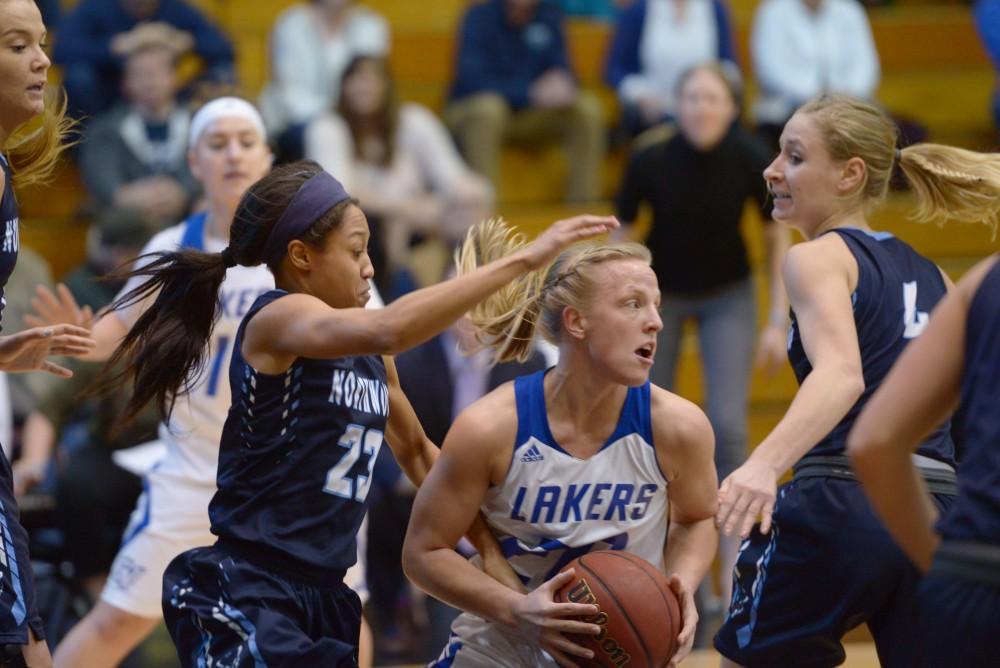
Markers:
(852, 176)
(192, 164)
(574, 323)
(299, 255)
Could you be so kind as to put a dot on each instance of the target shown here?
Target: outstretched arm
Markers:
(818, 279)
(921, 391)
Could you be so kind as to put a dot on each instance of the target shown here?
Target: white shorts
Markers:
(477, 643)
(170, 517)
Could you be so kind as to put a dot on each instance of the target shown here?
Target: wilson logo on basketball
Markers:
(581, 593)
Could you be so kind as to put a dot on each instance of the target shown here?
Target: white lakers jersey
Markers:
(194, 431)
(553, 507)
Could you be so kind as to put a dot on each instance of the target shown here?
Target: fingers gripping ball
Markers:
(639, 614)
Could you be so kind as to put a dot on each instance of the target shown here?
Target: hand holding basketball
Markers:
(747, 493)
(546, 621)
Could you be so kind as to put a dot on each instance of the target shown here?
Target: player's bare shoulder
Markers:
(681, 430)
(486, 430)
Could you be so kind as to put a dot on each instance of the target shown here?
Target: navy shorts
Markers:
(222, 610)
(17, 585)
(826, 566)
(959, 623)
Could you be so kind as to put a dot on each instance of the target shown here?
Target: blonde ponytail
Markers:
(33, 149)
(953, 183)
(507, 320)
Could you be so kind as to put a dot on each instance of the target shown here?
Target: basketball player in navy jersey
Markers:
(313, 399)
(956, 361)
(586, 456)
(819, 563)
(24, 158)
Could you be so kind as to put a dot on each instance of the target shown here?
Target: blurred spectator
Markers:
(399, 161)
(311, 45)
(697, 183)
(513, 81)
(135, 156)
(598, 9)
(113, 241)
(802, 48)
(440, 381)
(655, 42)
(91, 68)
(987, 15)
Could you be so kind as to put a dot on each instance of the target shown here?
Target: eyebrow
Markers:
(21, 31)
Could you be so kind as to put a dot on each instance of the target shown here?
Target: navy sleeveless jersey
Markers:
(10, 242)
(976, 512)
(896, 291)
(296, 458)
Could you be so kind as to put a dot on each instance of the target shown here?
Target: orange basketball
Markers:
(639, 614)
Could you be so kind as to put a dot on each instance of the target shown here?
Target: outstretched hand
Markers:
(748, 493)
(58, 308)
(29, 350)
(563, 233)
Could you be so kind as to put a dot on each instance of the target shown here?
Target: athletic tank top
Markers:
(897, 289)
(295, 463)
(975, 514)
(11, 234)
(553, 507)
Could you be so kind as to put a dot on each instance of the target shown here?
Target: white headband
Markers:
(224, 107)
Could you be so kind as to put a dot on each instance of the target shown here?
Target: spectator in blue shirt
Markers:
(513, 80)
(92, 70)
(987, 15)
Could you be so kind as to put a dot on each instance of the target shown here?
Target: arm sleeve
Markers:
(292, 70)
(860, 73)
(82, 39)
(779, 70)
(987, 16)
(328, 141)
(425, 136)
(724, 28)
(474, 71)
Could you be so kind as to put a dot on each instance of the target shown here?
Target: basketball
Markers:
(639, 614)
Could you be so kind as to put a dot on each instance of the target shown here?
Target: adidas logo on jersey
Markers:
(533, 454)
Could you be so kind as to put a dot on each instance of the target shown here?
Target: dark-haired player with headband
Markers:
(314, 395)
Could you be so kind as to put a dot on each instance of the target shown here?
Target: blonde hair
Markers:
(507, 320)
(950, 183)
(34, 148)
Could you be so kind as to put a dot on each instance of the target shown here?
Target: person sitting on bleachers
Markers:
(513, 80)
(311, 45)
(135, 156)
(655, 42)
(399, 161)
(92, 69)
(987, 16)
(801, 48)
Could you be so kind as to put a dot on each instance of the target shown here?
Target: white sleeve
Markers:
(858, 73)
(425, 136)
(328, 141)
(295, 67)
(635, 87)
(369, 34)
(779, 69)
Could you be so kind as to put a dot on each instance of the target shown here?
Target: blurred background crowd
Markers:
(436, 115)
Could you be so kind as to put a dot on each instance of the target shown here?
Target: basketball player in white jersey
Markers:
(228, 152)
(586, 456)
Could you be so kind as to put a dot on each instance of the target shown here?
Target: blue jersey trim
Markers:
(144, 521)
(19, 610)
(194, 232)
(533, 419)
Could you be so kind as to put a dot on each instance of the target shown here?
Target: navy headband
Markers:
(314, 198)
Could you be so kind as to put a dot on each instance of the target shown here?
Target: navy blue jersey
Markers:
(10, 242)
(296, 458)
(976, 513)
(897, 289)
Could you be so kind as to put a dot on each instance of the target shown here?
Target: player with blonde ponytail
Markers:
(819, 562)
(593, 420)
